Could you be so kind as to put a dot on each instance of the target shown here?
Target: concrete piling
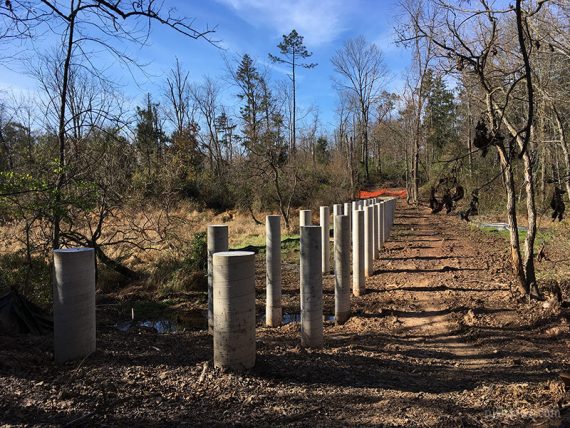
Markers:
(358, 286)
(273, 310)
(381, 207)
(376, 226)
(324, 215)
(311, 287)
(305, 218)
(217, 237)
(74, 327)
(234, 310)
(342, 269)
(368, 240)
(348, 212)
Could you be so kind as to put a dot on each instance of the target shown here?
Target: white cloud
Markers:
(318, 21)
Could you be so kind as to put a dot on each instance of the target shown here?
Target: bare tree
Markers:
(361, 71)
(471, 40)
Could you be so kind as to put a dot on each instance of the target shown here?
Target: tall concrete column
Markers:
(273, 311)
(358, 286)
(342, 269)
(354, 206)
(368, 240)
(376, 226)
(311, 287)
(324, 215)
(217, 241)
(386, 216)
(381, 206)
(305, 218)
(74, 328)
(391, 205)
(394, 202)
(234, 310)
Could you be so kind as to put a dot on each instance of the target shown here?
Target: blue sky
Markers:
(256, 27)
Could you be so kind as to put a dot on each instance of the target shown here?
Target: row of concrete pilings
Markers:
(231, 282)
(231, 275)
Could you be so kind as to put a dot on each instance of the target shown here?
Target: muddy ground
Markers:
(438, 340)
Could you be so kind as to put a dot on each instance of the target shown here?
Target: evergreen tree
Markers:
(293, 52)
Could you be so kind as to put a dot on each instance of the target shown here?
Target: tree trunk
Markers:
(61, 135)
(512, 220)
(531, 214)
(565, 150)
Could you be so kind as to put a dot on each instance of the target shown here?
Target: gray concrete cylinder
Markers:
(348, 212)
(217, 241)
(273, 310)
(358, 284)
(393, 213)
(74, 328)
(376, 226)
(234, 310)
(381, 209)
(325, 213)
(337, 210)
(311, 287)
(368, 240)
(305, 218)
(342, 269)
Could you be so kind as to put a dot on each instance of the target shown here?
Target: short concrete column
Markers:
(74, 328)
(234, 310)
(358, 285)
(368, 240)
(273, 311)
(376, 226)
(217, 241)
(354, 206)
(348, 212)
(337, 210)
(342, 269)
(305, 218)
(324, 216)
(311, 287)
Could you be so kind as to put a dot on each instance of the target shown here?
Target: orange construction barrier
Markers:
(399, 193)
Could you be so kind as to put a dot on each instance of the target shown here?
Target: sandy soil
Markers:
(438, 340)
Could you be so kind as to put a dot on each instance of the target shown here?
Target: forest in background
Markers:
(485, 107)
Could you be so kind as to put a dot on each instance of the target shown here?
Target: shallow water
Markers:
(184, 323)
(500, 226)
(289, 318)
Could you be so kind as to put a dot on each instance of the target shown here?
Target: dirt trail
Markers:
(437, 340)
(432, 317)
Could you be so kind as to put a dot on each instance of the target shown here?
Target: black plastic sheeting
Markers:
(20, 316)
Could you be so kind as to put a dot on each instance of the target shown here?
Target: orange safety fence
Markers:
(399, 193)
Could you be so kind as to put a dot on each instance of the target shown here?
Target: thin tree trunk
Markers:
(565, 150)
(61, 134)
(512, 221)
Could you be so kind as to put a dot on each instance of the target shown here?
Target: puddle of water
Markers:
(184, 321)
(158, 326)
(289, 318)
(500, 226)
